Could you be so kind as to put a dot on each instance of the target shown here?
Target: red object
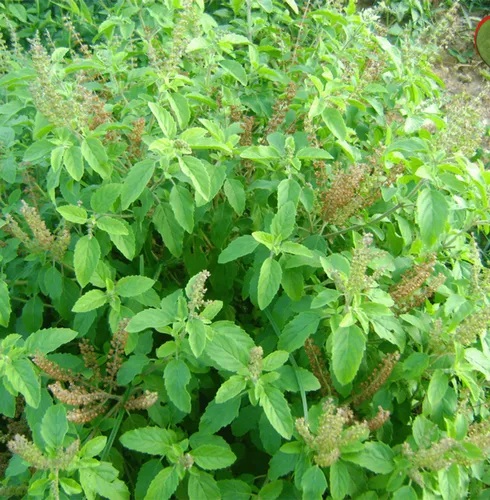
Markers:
(480, 24)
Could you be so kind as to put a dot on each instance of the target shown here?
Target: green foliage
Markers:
(237, 257)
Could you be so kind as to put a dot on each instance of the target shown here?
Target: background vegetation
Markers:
(243, 252)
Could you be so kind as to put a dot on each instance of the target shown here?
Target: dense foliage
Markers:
(239, 257)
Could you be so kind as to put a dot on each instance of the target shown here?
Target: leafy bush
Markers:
(237, 259)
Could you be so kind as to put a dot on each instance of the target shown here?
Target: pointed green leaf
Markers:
(5, 307)
(269, 281)
(136, 181)
(86, 258)
(211, 457)
(22, 377)
(73, 161)
(152, 440)
(235, 69)
(197, 336)
(196, 171)
(89, 301)
(49, 339)
(177, 376)
(219, 415)
(183, 206)
(164, 119)
(235, 195)
(164, 484)
(131, 286)
(243, 245)
(349, 344)
(54, 426)
(111, 225)
(432, 214)
(169, 229)
(95, 155)
(72, 213)
(313, 483)
(284, 221)
(277, 410)
(334, 121)
(231, 388)
(202, 486)
(298, 330)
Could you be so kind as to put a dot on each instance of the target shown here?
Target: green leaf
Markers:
(295, 249)
(269, 281)
(277, 410)
(152, 440)
(85, 259)
(298, 330)
(313, 483)
(478, 361)
(334, 121)
(294, 7)
(72, 213)
(260, 153)
(89, 301)
(177, 376)
(131, 286)
(230, 346)
(313, 154)
(136, 181)
(111, 225)
(234, 489)
(432, 214)
(104, 197)
(183, 206)
(438, 387)
(180, 107)
(405, 493)
(284, 221)
(70, 486)
(8, 404)
(349, 344)
(54, 426)
(164, 484)
(197, 336)
(5, 307)
(235, 69)
(73, 161)
(37, 151)
(231, 388)
(164, 119)
(340, 480)
(217, 416)
(196, 171)
(125, 243)
(48, 340)
(274, 360)
(325, 297)
(93, 447)
(22, 377)
(150, 318)
(211, 457)
(169, 229)
(243, 245)
(103, 480)
(288, 190)
(95, 155)
(293, 283)
(132, 367)
(266, 239)
(202, 486)
(235, 195)
(376, 457)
